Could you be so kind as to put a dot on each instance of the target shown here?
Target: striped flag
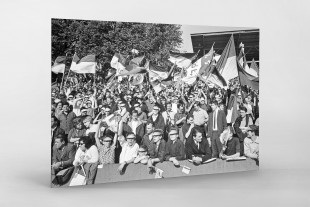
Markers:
(156, 72)
(75, 60)
(59, 65)
(86, 65)
(182, 60)
(247, 79)
(206, 60)
(254, 66)
(227, 64)
(242, 60)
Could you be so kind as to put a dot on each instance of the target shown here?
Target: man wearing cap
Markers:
(129, 151)
(251, 143)
(157, 119)
(157, 148)
(216, 125)
(141, 115)
(175, 150)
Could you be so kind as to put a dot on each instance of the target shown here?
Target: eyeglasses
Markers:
(81, 143)
(142, 151)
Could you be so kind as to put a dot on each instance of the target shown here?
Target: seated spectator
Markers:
(106, 147)
(231, 145)
(157, 148)
(241, 125)
(87, 156)
(129, 151)
(251, 143)
(197, 149)
(63, 156)
(142, 155)
(77, 131)
(174, 148)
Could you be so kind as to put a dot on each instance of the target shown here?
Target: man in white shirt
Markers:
(129, 152)
(169, 114)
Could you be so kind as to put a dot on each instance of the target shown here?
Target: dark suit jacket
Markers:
(161, 152)
(56, 132)
(204, 150)
(66, 155)
(221, 122)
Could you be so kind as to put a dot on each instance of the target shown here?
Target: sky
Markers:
(191, 29)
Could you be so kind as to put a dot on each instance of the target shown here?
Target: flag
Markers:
(169, 75)
(75, 60)
(227, 65)
(212, 76)
(232, 111)
(254, 66)
(247, 79)
(135, 62)
(86, 65)
(119, 63)
(242, 60)
(182, 60)
(192, 72)
(156, 72)
(206, 60)
(59, 65)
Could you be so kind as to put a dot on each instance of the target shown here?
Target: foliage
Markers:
(104, 38)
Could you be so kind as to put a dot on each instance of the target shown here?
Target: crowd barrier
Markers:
(109, 173)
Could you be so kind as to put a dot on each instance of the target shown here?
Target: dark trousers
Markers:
(216, 145)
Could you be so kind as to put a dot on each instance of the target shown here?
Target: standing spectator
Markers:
(216, 125)
(56, 130)
(66, 118)
(157, 119)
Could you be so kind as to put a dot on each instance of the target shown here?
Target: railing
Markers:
(109, 173)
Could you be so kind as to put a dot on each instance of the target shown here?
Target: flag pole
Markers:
(63, 73)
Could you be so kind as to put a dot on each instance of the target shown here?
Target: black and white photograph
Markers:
(135, 101)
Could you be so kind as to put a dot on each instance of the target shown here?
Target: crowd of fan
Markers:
(95, 125)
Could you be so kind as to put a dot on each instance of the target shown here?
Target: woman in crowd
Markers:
(87, 156)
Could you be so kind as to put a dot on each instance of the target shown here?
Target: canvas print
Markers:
(134, 101)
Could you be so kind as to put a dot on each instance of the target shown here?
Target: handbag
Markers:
(78, 179)
(64, 175)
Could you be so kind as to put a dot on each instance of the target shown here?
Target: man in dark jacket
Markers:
(157, 119)
(157, 148)
(63, 157)
(197, 149)
(136, 126)
(216, 125)
(175, 150)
